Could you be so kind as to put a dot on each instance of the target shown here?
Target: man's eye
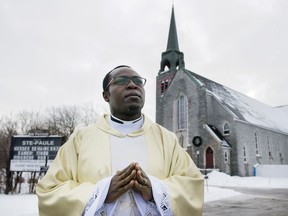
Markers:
(138, 81)
(121, 81)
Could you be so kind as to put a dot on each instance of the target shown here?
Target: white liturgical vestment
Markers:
(78, 180)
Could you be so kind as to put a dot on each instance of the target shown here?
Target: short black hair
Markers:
(107, 76)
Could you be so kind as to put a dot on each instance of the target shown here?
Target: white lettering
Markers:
(38, 142)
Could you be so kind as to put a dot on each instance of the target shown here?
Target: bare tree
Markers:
(88, 114)
(8, 128)
(63, 120)
(28, 121)
(56, 120)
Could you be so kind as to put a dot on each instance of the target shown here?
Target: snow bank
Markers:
(18, 205)
(216, 178)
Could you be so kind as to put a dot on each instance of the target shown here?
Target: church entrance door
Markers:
(209, 158)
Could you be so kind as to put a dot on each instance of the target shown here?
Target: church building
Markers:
(219, 127)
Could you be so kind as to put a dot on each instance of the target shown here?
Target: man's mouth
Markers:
(133, 95)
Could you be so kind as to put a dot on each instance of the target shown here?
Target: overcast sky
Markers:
(55, 52)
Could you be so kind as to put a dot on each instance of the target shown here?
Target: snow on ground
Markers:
(26, 205)
(217, 179)
(18, 205)
(222, 179)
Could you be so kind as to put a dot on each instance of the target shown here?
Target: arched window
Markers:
(268, 145)
(279, 147)
(225, 156)
(257, 143)
(162, 87)
(244, 154)
(181, 113)
(226, 129)
(166, 84)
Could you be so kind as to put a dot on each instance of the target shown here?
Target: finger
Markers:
(144, 190)
(123, 183)
(125, 172)
(127, 179)
(139, 186)
(116, 191)
(143, 179)
(123, 177)
(125, 187)
(138, 168)
(127, 169)
(119, 185)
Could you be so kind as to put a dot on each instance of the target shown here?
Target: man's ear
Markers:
(105, 95)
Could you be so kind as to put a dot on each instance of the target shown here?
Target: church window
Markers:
(269, 148)
(244, 154)
(166, 84)
(257, 143)
(279, 147)
(225, 156)
(181, 112)
(162, 87)
(226, 129)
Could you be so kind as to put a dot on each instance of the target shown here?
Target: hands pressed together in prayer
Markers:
(130, 177)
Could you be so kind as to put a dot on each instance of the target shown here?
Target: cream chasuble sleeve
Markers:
(59, 192)
(70, 180)
(169, 162)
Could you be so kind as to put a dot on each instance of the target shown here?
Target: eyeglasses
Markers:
(124, 80)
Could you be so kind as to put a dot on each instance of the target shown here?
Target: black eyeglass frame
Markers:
(112, 81)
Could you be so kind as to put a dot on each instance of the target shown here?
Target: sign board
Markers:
(30, 153)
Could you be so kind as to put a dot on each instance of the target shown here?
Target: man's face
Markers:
(126, 101)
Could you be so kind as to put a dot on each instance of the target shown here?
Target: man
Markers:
(124, 164)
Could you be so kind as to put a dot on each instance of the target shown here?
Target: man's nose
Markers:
(131, 84)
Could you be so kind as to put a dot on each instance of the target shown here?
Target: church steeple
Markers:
(172, 37)
(172, 57)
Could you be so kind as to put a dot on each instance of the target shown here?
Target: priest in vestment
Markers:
(124, 164)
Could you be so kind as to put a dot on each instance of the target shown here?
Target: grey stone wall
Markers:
(268, 141)
(203, 108)
(218, 116)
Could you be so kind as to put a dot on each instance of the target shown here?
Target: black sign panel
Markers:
(30, 153)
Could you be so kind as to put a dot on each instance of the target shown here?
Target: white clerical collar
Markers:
(126, 127)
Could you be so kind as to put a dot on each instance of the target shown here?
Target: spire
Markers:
(172, 37)
(172, 57)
